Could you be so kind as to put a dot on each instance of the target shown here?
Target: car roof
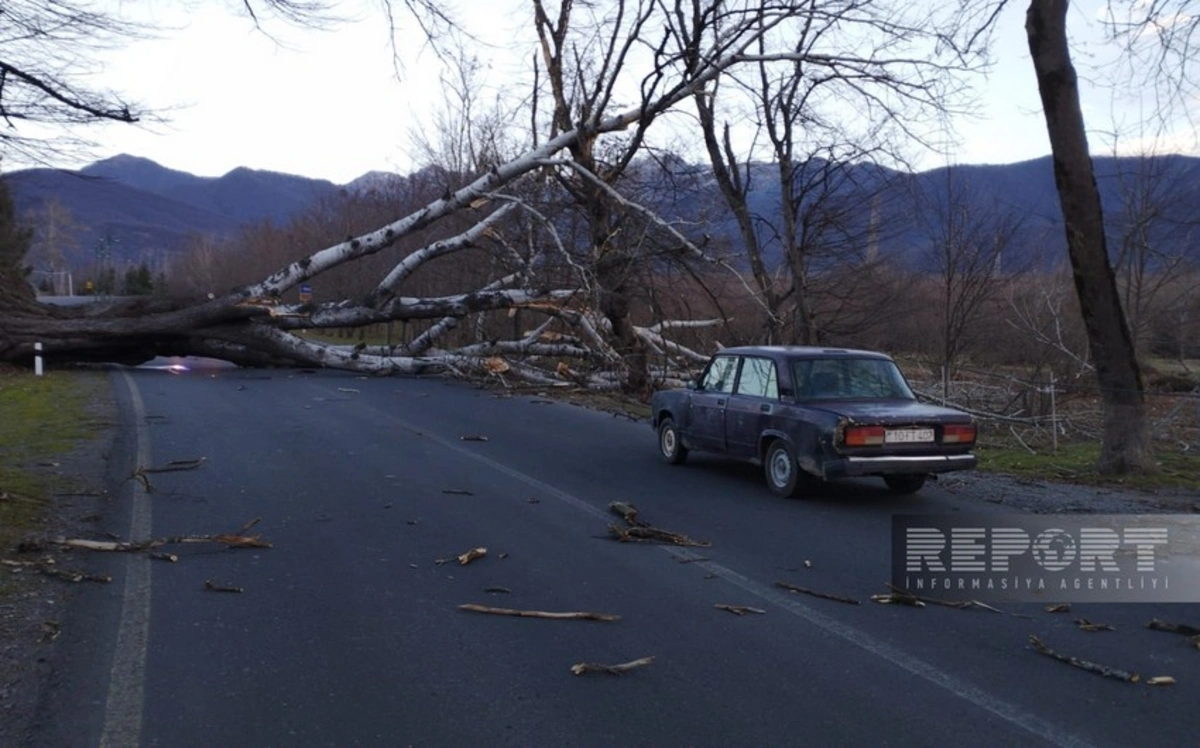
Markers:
(802, 351)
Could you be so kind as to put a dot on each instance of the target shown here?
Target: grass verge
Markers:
(42, 419)
(1075, 462)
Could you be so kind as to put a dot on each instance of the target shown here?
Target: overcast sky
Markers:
(328, 104)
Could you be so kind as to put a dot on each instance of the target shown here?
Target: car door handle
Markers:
(720, 401)
(765, 407)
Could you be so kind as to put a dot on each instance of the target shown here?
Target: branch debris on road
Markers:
(235, 539)
(1191, 632)
(1058, 608)
(473, 438)
(212, 586)
(1085, 625)
(141, 475)
(1161, 680)
(627, 512)
(900, 596)
(464, 558)
(1091, 667)
(1173, 628)
(458, 491)
(175, 466)
(739, 610)
(654, 535)
(817, 593)
(593, 667)
(48, 568)
(638, 530)
(573, 615)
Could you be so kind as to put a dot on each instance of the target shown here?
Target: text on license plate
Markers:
(893, 436)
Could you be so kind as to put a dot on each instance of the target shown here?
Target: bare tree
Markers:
(1153, 229)
(968, 243)
(1126, 445)
(820, 159)
(582, 253)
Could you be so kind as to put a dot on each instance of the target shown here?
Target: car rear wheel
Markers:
(783, 474)
(904, 484)
(670, 446)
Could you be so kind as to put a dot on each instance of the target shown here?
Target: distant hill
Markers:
(1131, 189)
(150, 210)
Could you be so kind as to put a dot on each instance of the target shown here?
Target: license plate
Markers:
(908, 435)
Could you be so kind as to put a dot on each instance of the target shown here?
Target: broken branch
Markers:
(627, 512)
(576, 615)
(235, 539)
(1173, 628)
(1091, 667)
(624, 667)
(739, 610)
(174, 466)
(899, 598)
(471, 555)
(816, 593)
(648, 534)
(53, 571)
(1085, 625)
(212, 586)
(960, 604)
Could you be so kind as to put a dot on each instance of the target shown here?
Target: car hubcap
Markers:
(781, 468)
(668, 442)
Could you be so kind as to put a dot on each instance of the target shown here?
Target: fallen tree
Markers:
(565, 240)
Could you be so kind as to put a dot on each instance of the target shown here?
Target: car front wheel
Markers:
(670, 446)
(783, 474)
(904, 484)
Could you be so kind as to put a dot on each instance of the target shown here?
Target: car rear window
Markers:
(849, 379)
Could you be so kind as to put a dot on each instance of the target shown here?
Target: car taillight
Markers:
(958, 433)
(863, 436)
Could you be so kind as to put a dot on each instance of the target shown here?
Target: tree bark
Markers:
(1126, 445)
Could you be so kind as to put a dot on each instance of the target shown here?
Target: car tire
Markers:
(904, 484)
(783, 473)
(670, 444)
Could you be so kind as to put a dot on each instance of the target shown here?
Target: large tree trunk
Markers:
(1126, 446)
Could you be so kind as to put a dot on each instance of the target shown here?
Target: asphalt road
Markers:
(348, 632)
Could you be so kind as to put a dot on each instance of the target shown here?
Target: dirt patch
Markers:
(73, 494)
(1053, 497)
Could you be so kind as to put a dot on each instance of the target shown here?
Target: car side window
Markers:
(758, 378)
(719, 377)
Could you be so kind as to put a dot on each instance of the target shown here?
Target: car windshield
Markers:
(849, 379)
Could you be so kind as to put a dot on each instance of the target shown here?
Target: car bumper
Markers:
(850, 467)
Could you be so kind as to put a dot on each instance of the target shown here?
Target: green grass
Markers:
(1076, 463)
(41, 419)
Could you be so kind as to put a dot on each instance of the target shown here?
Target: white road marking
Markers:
(1010, 713)
(126, 682)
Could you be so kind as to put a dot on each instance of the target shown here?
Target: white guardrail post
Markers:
(37, 359)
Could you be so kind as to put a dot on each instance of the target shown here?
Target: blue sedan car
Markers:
(812, 414)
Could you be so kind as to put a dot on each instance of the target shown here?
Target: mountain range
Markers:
(142, 211)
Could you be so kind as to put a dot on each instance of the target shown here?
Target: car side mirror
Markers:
(692, 384)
